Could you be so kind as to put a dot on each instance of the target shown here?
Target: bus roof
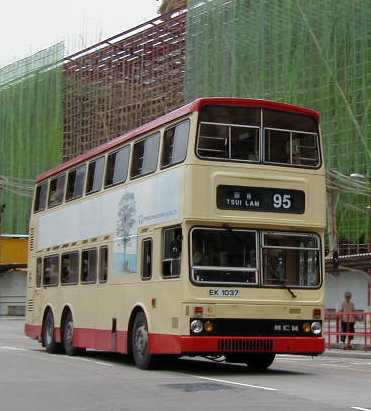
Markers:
(173, 115)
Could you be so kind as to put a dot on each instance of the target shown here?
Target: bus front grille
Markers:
(245, 345)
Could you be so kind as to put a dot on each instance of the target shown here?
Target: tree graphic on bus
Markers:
(125, 224)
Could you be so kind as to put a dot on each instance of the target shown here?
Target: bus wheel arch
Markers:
(48, 332)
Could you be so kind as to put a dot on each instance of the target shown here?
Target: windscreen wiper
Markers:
(284, 284)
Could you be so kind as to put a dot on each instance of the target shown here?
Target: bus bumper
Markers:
(161, 344)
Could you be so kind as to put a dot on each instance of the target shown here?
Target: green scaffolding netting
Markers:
(313, 53)
(31, 130)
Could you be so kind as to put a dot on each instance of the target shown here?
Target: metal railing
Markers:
(340, 328)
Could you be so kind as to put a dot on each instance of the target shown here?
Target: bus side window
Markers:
(51, 271)
(145, 156)
(75, 183)
(56, 190)
(70, 268)
(95, 175)
(174, 149)
(146, 259)
(103, 264)
(40, 197)
(172, 252)
(39, 267)
(89, 266)
(117, 167)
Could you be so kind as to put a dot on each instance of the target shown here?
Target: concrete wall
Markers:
(357, 282)
(13, 293)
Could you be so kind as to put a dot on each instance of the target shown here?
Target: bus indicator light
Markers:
(209, 327)
(317, 314)
(306, 328)
(198, 310)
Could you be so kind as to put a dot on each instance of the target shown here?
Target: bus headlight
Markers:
(316, 328)
(197, 326)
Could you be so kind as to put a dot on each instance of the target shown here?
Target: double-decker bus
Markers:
(199, 233)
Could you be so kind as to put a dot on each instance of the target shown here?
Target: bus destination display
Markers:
(260, 199)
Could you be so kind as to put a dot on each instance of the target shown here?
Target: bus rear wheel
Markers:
(259, 361)
(140, 343)
(48, 338)
(68, 332)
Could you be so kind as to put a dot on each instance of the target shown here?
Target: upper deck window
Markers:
(175, 144)
(291, 148)
(225, 256)
(95, 175)
(228, 142)
(56, 190)
(145, 156)
(40, 197)
(235, 133)
(75, 183)
(117, 167)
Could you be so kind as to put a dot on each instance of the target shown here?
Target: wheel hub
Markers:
(141, 340)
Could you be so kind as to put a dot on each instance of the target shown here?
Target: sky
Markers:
(27, 26)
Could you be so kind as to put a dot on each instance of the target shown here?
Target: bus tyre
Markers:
(259, 361)
(68, 331)
(48, 334)
(140, 343)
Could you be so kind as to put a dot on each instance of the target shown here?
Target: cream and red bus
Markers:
(199, 233)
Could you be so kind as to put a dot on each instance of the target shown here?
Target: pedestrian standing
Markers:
(347, 320)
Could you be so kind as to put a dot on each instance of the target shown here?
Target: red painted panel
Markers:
(165, 344)
(173, 344)
(294, 345)
(57, 335)
(100, 339)
(33, 331)
(297, 345)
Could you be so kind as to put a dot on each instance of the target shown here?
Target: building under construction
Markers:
(315, 54)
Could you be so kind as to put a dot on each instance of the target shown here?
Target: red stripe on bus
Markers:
(33, 331)
(101, 340)
(174, 344)
(173, 115)
(283, 345)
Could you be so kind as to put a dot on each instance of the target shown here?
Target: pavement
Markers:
(354, 353)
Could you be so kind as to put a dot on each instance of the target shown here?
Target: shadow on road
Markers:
(190, 365)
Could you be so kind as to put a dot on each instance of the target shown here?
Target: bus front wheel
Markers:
(140, 343)
(48, 334)
(259, 361)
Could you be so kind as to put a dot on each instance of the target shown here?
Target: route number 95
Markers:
(282, 201)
